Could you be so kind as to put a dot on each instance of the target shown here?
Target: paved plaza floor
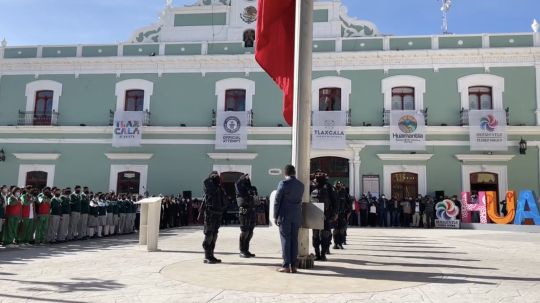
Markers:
(377, 265)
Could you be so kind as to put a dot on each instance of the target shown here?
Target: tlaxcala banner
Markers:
(487, 130)
(127, 129)
(407, 130)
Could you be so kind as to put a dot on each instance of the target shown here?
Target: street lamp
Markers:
(522, 147)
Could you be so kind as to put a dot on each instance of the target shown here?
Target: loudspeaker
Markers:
(439, 194)
(186, 194)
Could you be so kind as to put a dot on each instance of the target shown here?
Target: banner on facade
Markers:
(407, 130)
(487, 130)
(231, 130)
(127, 129)
(328, 131)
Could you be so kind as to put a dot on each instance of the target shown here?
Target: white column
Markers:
(538, 95)
(357, 179)
(351, 178)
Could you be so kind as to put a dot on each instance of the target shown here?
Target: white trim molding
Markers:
(141, 169)
(33, 157)
(484, 158)
(245, 169)
(26, 168)
(33, 87)
(495, 82)
(232, 156)
(405, 157)
(125, 85)
(419, 85)
(128, 156)
(420, 170)
(537, 92)
(327, 82)
(234, 83)
(500, 170)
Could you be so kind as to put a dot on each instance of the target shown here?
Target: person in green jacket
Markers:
(85, 209)
(75, 216)
(56, 214)
(13, 217)
(63, 229)
(43, 207)
(4, 194)
(26, 234)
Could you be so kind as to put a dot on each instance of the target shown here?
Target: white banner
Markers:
(407, 130)
(328, 131)
(487, 130)
(231, 130)
(127, 128)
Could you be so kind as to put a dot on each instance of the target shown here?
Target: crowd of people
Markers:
(53, 215)
(407, 212)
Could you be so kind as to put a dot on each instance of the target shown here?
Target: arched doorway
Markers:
(404, 185)
(337, 168)
(485, 181)
(128, 182)
(37, 179)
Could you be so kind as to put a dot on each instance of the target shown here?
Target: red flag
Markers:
(275, 47)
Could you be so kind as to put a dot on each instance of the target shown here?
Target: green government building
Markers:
(58, 104)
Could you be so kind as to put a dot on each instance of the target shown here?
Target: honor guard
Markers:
(344, 210)
(323, 192)
(13, 216)
(214, 205)
(246, 197)
(43, 206)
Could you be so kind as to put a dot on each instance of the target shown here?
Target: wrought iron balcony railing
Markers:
(386, 116)
(250, 117)
(464, 116)
(38, 118)
(146, 118)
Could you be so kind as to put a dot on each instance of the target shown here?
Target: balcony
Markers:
(146, 118)
(464, 116)
(347, 121)
(386, 116)
(37, 119)
(250, 117)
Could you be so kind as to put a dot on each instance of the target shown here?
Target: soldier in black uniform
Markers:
(323, 192)
(214, 206)
(344, 209)
(245, 198)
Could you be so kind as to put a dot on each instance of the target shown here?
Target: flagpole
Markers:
(301, 143)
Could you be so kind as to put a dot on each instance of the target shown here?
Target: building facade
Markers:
(58, 102)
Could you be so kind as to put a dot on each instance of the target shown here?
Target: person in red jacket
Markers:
(43, 212)
(13, 217)
(28, 214)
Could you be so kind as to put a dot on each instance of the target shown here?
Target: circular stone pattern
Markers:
(342, 274)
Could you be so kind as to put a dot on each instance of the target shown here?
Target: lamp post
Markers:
(522, 147)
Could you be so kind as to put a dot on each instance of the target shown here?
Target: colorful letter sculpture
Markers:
(467, 207)
(526, 197)
(446, 210)
(493, 213)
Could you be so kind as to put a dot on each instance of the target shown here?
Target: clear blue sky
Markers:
(30, 22)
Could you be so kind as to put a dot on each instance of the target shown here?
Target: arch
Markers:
(332, 82)
(133, 84)
(234, 83)
(24, 169)
(419, 85)
(495, 82)
(42, 85)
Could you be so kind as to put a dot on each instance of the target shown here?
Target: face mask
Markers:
(86, 192)
(17, 194)
(77, 191)
(57, 195)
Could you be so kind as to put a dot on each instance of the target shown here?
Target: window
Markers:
(403, 98)
(134, 100)
(330, 99)
(480, 97)
(128, 182)
(249, 38)
(43, 107)
(235, 100)
(37, 179)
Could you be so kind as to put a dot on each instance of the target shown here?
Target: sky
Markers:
(50, 22)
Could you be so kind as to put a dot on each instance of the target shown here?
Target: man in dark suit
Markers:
(288, 216)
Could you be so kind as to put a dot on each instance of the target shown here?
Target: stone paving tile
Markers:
(445, 266)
